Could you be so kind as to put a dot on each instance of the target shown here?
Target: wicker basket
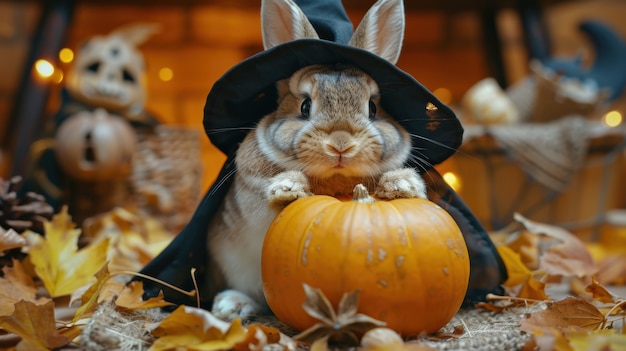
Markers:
(495, 186)
(167, 174)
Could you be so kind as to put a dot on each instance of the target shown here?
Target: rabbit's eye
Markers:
(372, 110)
(305, 108)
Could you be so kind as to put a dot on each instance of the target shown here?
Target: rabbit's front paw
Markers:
(231, 304)
(286, 187)
(400, 183)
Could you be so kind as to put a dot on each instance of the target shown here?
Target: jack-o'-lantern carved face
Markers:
(109, 71)
(95, 146)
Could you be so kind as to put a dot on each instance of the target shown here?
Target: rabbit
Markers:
(327, 135)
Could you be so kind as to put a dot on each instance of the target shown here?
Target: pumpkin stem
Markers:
(360, 194)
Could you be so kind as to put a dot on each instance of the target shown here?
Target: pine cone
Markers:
(21, 213)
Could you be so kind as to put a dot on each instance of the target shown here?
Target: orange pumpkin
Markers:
(407, 257)
(95, 146)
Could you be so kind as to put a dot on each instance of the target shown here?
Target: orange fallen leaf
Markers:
(568, 257)
(35, 324)
(131, 298)
(58, 262)
(599, 292)
(570, 314)
(533, 289)
(526, 244)
(16, 285)
(612, 269)
(257, 336)
(516, 270)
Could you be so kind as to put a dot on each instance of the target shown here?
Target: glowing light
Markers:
(166, 74)
(57, 76)
(453, 181)
(66, 55)
(613, 118)
(44, 68)
(443, 94)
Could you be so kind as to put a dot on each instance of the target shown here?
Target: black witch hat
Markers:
(247, 92)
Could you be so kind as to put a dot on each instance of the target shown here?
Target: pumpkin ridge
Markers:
(315, 212)
(406, 256)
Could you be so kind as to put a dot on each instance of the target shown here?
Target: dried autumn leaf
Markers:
(58, 262)
(490, 306)
(517, 271)
(135, 239)
(258, 336)
(191, 328)
(10, 239)
(457, 332)
(131, 298)
(569, 257)
(533, 289)
(612, 269)
(16, 285)
(601, 340)
(345, 328)
(547, 339)
(35, 325)
(568, 315)
(526, 244)
(599, 292)
(89, 298)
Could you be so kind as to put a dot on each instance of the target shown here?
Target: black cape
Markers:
(236, 103)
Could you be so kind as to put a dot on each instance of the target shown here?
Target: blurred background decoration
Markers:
(455, 48)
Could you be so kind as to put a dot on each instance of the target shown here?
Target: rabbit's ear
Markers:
(283, 21)
(138, 33)
(381, 30)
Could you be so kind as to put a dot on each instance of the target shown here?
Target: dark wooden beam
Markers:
(27, 114)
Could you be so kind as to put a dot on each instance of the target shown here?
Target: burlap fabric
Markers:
(470, 329)
(550, 153)
(166, 176)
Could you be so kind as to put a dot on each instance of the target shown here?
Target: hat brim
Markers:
(247, 92)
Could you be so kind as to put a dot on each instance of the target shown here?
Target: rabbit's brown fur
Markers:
(327, 135)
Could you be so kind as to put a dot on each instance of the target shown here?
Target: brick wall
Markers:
(199, 43)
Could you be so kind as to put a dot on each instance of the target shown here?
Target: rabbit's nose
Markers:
(340, 143)
(335, 150)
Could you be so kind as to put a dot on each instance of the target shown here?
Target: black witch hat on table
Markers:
(247, 92)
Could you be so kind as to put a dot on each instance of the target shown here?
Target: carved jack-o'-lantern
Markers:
(109, 71)
(95, 146)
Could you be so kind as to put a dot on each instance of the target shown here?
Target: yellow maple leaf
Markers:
(526, 244)
(517, 271)
(135, 239)
(35, 324)
(58, 262)
(190, 328)
(131, 298)
(600, 340)
(90, 297)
